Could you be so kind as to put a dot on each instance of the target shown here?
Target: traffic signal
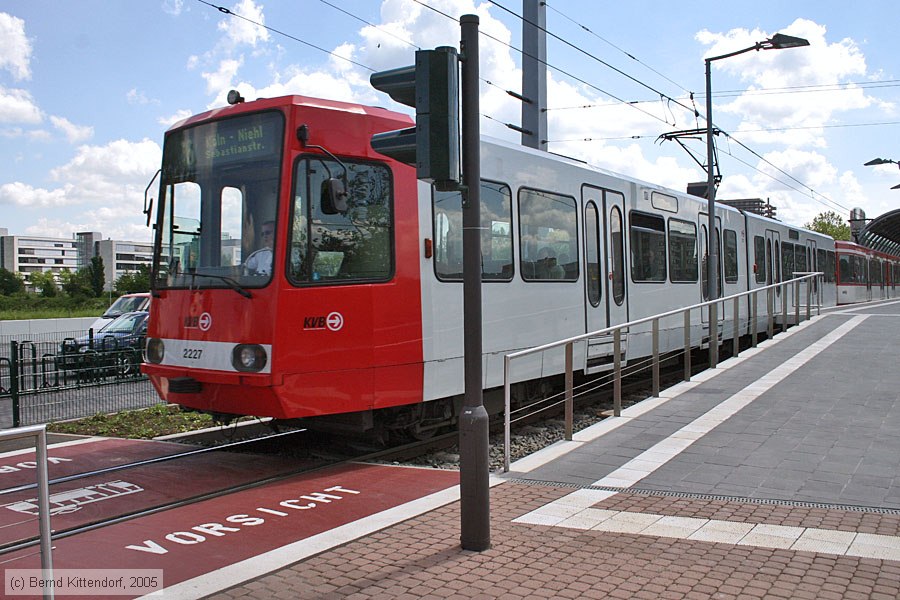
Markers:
(431, 86)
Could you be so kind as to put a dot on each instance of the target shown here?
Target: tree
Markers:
(10, 283)
(136, 281)
(98, 277)
(831, 223)
(45, 283)
(77, 284)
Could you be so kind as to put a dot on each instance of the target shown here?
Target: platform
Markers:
(776, 475)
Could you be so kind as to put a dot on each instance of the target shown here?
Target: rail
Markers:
(812, 287)
(39, 432)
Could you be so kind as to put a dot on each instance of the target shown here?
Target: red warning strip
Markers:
(91, 499)
(192, 541)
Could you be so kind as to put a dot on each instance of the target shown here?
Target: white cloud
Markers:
(170, 120)
(15, 47)
(25, 196)
(173, 7)
(821, 63)
(74, 133)
(135, 96)
(17, 106)
(240, 31)
(106, 181)
(221, 79)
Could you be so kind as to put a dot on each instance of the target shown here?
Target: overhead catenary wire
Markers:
(633, 104)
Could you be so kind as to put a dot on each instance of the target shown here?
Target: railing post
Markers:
(809, 283)
(770, 309)
(14, 382)
(687, 345)
(617, 375)
(570, 410)
(784, 307)
(797, 302)
(736, 330)
(754, 316)
(713, 335)
(43, 485)
(656, 357)
(506, 416)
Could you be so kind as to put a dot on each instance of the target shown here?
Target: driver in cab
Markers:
(260, 261)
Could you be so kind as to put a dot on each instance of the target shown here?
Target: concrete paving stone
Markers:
(626, 522)
(818, 540)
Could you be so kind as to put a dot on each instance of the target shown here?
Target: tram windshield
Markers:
(218, 201)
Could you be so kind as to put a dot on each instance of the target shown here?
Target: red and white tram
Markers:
(352, 307)
(864, 274)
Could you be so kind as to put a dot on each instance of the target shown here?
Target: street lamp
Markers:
(883, 161)
(778, 41)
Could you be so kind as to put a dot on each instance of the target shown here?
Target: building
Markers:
(122, 257)
(29, 254)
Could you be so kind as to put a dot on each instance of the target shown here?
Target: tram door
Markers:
(812, 266)
(773, 266)
(703, 220)
(605, 286)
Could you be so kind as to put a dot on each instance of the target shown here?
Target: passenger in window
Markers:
(260, 261)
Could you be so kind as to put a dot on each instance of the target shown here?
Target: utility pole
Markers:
(474, 466)
(534, 74)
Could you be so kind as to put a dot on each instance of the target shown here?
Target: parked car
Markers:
(117, 348)
(123, 304)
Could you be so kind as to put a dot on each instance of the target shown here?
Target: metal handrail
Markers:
(39, 432)
(616, 330)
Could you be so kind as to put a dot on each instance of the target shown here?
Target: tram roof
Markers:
(882, 233)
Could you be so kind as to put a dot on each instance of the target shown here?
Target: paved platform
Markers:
(776, 475)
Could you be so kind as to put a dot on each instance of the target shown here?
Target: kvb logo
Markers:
(333, 322)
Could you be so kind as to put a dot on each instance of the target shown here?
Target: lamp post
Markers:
(778, 41)
(884, 161)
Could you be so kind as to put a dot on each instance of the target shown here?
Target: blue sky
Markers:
(88, 88)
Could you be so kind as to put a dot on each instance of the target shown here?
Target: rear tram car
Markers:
(864, 274)
(299, 274)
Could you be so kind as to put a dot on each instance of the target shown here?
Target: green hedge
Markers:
(28, 306)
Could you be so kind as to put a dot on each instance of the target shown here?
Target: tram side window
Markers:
(799, 259)
(327, 245)
(648, 247)
(875, 270)
(845, 269)
(787, 260)
(682, 251)
(829, 266)
(731, 256)
(496, 235)
(592, 253)
(820, 262)
(548, 236)
(759, 258)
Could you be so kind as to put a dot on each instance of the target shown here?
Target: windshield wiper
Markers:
(228, 280)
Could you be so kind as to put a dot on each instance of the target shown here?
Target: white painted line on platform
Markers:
(762, 535)
(629, 474)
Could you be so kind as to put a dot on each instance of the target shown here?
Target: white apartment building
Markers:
(29, 254)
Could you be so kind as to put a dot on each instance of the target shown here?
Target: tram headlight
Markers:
(249, 358)
(155, 351)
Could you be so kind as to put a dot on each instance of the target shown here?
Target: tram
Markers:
(299, 274)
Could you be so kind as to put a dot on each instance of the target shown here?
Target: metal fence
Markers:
(694, 331)
(57, 379)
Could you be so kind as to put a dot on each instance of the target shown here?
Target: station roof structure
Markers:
(882, 233)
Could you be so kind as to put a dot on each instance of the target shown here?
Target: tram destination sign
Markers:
(248, 138)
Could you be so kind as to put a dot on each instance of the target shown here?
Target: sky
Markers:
(88, 89)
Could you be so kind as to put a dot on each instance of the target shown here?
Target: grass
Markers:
(49, 313)
(148, 423)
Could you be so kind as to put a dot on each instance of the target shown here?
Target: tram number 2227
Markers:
(192, 353)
